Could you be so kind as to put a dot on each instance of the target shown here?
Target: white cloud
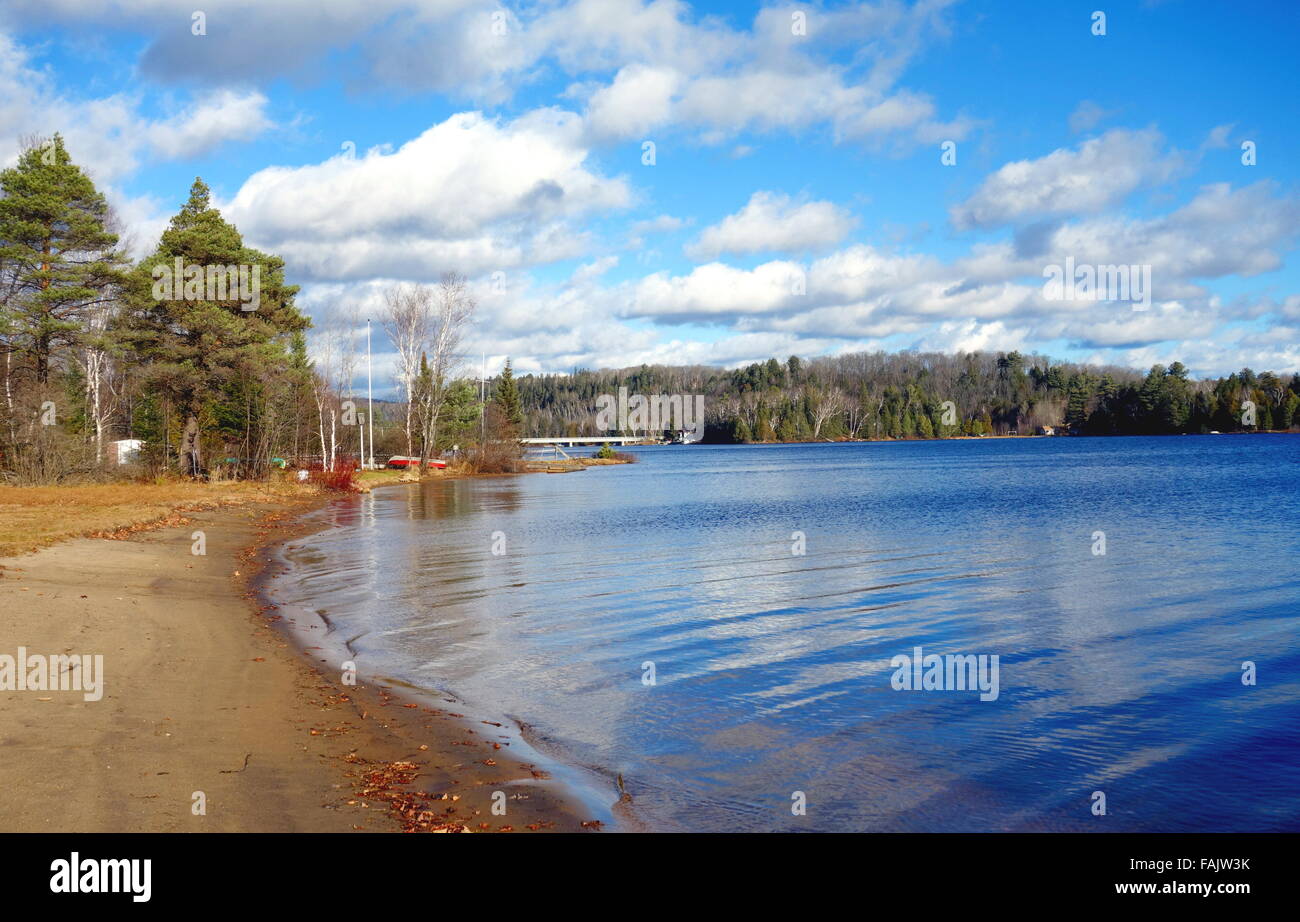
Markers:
(1100, 173)
(214, 119)
(772, 222)
(593, 270)
(1222, 231)
(471, 194)
(1218, 137)
(667, 62)
(971, 335)
(480, 195)
(717, 291)
(661, 224)
(639, 99)
(1086, 116)
(995, 293)
(109, 136)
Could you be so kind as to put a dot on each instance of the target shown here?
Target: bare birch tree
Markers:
(407, 319)
(101, 402)
(825, 404)
(321, 392)
(345, 336)
(453, 310)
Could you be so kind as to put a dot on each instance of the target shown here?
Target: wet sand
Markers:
(204, 692)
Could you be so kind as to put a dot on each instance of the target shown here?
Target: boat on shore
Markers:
(404, 462)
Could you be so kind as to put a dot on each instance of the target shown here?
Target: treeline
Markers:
(925, 395)
(197, 353)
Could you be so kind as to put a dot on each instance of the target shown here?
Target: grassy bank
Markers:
(36, 517)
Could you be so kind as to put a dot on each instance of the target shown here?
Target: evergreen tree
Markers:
(194, 343)
(507, 398)
(460, 414)
(59, 258)
(1076, 410)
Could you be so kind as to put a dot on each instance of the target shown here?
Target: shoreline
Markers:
(212, 718)
(571, 790)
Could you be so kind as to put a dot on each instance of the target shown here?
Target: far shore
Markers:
(211, 717)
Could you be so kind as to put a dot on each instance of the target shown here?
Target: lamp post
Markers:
(370, 401)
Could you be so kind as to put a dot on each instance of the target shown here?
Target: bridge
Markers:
(570, 441)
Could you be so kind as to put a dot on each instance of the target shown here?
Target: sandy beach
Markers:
(212, 720)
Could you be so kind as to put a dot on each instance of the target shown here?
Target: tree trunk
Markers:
(9, 394)
(190, 457)
(410, 400)
(320, 429)
(334, 441)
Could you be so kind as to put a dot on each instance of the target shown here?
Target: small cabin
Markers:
(127, 451)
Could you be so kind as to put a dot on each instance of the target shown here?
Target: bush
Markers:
(500, 452)
(495, 458)
(342, 479)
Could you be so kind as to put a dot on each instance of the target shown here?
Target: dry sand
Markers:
(202, 692)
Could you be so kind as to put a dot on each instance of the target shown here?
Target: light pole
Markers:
(370, 401)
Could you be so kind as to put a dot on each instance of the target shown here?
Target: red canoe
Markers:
(402, 461)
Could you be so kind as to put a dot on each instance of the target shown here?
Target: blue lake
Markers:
(1118, 672)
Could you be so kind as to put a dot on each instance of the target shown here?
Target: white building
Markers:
(128, 450)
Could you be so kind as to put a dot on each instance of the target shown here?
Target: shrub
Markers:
(495, 458)
(341, 479)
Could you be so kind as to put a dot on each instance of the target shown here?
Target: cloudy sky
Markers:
(627, 181)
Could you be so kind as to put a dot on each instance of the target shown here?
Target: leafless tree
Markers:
(323, 394)
(825, 403)
(453, 310)
(97, 364)
(407, 319)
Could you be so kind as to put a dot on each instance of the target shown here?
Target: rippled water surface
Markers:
(1119, 673)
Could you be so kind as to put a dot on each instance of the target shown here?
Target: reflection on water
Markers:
(1118, 673)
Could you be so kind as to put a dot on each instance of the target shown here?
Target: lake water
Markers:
(1118, 672)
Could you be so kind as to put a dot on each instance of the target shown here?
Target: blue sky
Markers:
(515, 156)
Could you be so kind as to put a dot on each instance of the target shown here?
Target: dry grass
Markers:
(36, 517)
(368, 479)
(384, 476)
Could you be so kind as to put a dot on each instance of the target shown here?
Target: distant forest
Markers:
(900, 396)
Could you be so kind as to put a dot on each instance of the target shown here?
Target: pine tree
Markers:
(58, 254)
(192, 342)
(1076, 411)
(460, 414)
(507, 398)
